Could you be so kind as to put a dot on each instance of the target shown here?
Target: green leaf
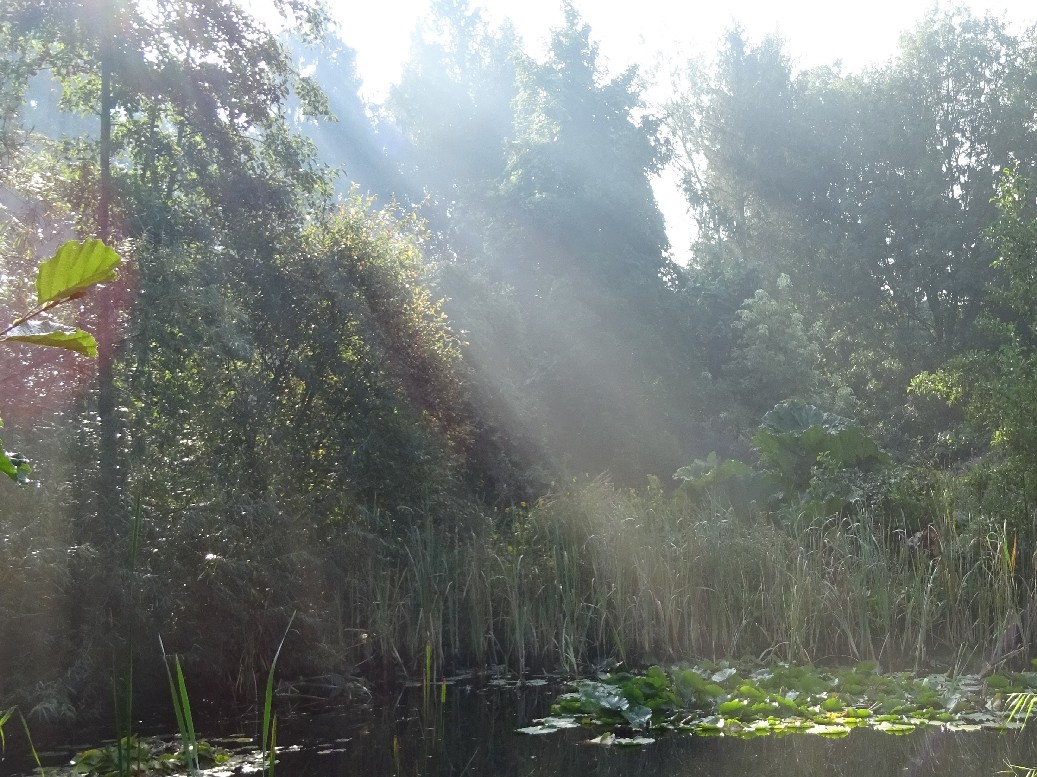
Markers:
(637, 717)
(74, 268)
(16, 467)
(602, 696)
(732, 708)
(47, 333)
(793, 436)
(797, 417)
(3, 719)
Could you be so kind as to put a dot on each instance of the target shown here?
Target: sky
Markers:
(660, 36)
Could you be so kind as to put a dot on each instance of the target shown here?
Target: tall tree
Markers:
(580, 241)
(995, 383)
(195, 159)
(580, 169)
(453, 109)
(538, 177)
(870, 191)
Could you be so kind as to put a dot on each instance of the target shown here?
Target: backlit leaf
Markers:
(14, 466)
(50, 334)
(74, 268)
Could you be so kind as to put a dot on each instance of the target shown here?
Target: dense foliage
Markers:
(477, 414)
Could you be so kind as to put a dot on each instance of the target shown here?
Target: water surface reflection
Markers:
(474, 734)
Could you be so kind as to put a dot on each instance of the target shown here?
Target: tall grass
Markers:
(597, 572)
(594, 574)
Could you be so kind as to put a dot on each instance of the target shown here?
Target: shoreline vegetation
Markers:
(598, 573)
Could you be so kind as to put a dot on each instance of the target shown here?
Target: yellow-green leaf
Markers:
(16, 467)
(45, 333)
(74, 268)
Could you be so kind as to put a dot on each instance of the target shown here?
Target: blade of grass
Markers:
(188, 737)
(3, 719)
(269, 724)
(272, 757)
(180, 723)
(28, 737)
(182, 709)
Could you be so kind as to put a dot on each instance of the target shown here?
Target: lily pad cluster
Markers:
(143, 756)
(729, 700)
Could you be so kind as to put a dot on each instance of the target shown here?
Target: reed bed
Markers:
(597, 573)
(586, 577)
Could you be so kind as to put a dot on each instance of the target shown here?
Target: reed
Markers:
(597, 572)
(182, 710)
(5, 716)
(594, 573)
(32, 747)
(269, 736)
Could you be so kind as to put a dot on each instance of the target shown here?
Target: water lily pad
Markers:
(831, 731)
(783, 700)
(732, 707)
(638, 717)
(894, 728)
(549, 725)
(605, 696)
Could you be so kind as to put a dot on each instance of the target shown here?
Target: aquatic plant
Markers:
(182, 709)
(723, 699)
(269, 736)
(594, 573)
(5, 716)
(146, 758)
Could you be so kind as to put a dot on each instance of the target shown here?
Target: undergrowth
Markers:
(589, 575)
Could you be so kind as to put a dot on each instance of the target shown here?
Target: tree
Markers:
(580, 242)
(996, 385)
(870, 190)
(773, 359)
(579, 171)
(208, 185)
(453, 110)
(347, 136)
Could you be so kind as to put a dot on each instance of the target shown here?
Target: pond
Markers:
(474, 733)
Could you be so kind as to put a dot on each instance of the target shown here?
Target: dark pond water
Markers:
(473, 733)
